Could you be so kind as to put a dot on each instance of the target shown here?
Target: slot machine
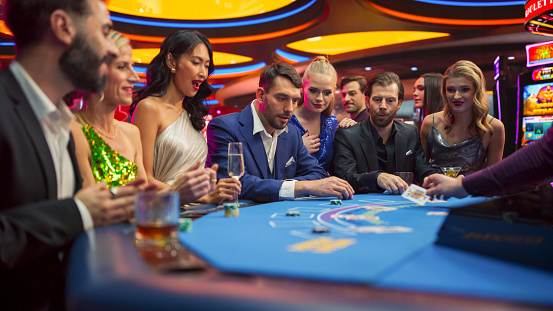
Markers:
(535, 90)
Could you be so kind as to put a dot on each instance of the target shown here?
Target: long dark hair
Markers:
(181, 42)
(433, 99)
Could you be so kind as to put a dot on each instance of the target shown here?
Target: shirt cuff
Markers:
(88, 223)
(287, 190)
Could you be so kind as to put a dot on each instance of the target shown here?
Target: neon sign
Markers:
(539, 54)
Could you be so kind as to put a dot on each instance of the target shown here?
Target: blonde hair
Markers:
(119, 40)
(321, 65)
(481, 106)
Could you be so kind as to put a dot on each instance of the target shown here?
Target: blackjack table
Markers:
(374, 252)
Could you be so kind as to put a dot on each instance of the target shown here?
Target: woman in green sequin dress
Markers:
(110, 150)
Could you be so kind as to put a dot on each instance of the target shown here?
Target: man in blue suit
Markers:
(278, 166)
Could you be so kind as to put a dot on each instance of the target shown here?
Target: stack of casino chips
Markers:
(231, 209)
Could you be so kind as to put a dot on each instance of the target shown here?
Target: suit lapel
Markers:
(368, 146)
(71, 149)
(32, 126)
(400, 144)
(282, 152)
(253, 142)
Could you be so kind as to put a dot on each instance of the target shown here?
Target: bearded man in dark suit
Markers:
(60, 45)
(367, 154)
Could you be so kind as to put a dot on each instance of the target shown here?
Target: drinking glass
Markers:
(235, 165)
(156, 218)
(451, 171)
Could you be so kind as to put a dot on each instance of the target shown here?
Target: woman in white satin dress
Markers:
(170, 114)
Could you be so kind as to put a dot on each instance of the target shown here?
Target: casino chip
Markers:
(292, 213)
(335, 202)
(185, 224)
(231, 210)
(321, 229)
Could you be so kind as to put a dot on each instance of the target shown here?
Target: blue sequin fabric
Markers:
(326, 150)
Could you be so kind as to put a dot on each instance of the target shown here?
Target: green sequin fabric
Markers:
(108, 164)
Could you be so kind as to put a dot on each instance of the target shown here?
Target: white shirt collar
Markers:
(39, 102)
(258, 125)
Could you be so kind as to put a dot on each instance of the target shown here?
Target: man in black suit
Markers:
(61, 45)
(367, 154)
(353, 98)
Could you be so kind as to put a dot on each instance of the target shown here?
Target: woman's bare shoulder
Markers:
(147, 105)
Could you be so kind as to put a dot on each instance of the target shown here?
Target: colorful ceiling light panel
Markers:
(244, 64)
(222, 21)
(350, 42)
(145, 56)
(171, 20)
(474, 3)
(195, 10)
(291, 58)
(453, 12)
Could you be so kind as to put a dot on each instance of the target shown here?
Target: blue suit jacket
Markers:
(292, 160)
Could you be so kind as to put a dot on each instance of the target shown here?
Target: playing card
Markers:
(416, 194)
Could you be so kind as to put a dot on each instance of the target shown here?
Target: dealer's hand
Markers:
(438, 184)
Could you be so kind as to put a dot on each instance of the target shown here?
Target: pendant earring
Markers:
(173, 70)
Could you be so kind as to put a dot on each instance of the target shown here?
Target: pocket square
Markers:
(290, 162)
(409, 152)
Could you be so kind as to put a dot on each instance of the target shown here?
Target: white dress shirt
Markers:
(286, 191)
(55, 121)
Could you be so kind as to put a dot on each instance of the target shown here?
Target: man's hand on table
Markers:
(326, 187)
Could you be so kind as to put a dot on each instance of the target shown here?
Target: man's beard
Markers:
(81, 65)
(383, 122)
(276, 124)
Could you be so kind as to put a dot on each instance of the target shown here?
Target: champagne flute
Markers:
(235, 166)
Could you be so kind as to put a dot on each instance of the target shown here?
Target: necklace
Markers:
(100, 132)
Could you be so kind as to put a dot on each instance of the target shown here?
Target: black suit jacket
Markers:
(356, 161)
(34, 225)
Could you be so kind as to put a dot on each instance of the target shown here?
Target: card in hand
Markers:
(416, 194)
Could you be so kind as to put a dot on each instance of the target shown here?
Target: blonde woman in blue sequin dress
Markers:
(313, 116)
(110, 150)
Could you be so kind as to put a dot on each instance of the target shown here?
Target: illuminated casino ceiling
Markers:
(455, 12)
(145, 56)
(195, 10)
(351, 42)
(260, 32)
(474, 3)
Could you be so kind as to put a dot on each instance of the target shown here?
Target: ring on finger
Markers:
(113, 191)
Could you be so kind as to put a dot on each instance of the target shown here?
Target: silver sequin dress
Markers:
(469, 154)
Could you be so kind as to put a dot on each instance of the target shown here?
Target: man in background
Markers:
(353, 98)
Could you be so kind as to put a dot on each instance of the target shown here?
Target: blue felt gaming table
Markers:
(375, 239)
(379, 253)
